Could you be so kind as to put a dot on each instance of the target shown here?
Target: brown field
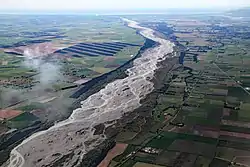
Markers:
(199, 130)
(192, 147)
(82, 81)
(231, 153)
(109, 58)
(200, 42)
(235, 155)
(226, 111)
(243, 160)
(236, 123)
(212, 134)
(186, 35)
(42, 48)
(117, 150)
(194, 38)
(201, 57)
(7, 114)
(167, 158)
(235, 134)
(38, 113)
(140, 164)
(187, 22)
(100, 69)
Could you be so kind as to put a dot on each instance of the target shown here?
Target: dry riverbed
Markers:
(76, 136)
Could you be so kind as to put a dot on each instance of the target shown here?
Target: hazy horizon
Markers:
(114, 12)
(127, 5)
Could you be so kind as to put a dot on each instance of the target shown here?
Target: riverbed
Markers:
(75, 136)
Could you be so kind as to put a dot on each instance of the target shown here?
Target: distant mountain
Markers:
(243, 12)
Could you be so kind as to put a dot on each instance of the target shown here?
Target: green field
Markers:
(22, 121)
(62, 33)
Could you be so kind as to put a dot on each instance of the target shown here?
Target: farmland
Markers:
(44, 59)
(72, 50)
(199, 113)
(67, 43)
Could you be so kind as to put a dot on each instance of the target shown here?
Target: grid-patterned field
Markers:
(95, 49)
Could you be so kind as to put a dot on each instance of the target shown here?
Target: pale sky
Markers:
(117, 4)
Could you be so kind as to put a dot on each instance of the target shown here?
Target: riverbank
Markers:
(10, 141)
(78, 135)
(95, 156)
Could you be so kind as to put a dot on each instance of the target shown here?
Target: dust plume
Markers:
(48, 71)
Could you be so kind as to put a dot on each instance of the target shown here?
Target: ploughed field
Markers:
(95, 49)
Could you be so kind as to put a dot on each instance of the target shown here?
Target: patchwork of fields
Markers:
(199, 116)
(95, 49)
(43, 58)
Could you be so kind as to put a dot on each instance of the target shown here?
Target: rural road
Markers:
(75, 136)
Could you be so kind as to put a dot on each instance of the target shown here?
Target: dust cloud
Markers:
(48, 71)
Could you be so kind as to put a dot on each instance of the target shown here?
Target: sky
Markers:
(117, 4)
